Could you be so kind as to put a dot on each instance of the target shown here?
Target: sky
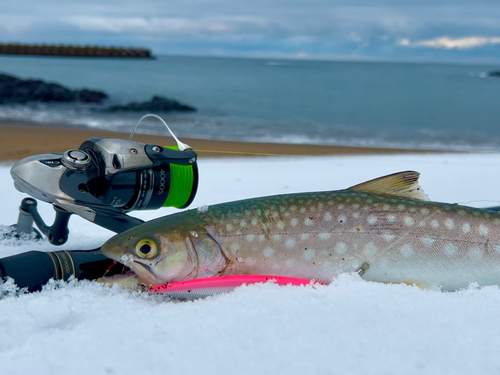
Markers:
(423, 30)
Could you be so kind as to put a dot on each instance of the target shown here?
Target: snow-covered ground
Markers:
(349, 327)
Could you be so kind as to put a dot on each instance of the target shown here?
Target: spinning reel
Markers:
(102, 181)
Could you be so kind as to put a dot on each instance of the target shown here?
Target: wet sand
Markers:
(18, 141)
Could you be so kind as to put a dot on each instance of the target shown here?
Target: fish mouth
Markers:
(145, 273)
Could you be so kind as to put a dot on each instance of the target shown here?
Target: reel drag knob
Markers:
(76, 159)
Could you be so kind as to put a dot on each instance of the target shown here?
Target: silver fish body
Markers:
(386, 238)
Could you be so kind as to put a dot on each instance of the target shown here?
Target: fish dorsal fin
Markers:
(398, 185)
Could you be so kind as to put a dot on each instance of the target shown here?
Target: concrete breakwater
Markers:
(73, 51)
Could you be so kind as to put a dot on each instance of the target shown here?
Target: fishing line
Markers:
(180, 145)
(361, 156)
(305, 155)
(252, 153)
(183, 146)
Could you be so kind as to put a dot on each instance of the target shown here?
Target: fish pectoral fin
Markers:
(398, 185)
(126, 281)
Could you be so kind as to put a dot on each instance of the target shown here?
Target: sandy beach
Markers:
(18, 141)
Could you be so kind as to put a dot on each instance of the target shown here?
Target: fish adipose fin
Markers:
(398, 185)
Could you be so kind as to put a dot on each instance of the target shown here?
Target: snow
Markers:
(349, 327)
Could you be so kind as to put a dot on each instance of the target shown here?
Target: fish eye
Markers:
(146, 248)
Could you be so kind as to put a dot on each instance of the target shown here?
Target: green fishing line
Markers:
(181, 184)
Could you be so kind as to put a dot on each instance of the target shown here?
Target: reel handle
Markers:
(57, 233)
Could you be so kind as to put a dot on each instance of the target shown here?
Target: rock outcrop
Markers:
(17, 90)
(157, 104)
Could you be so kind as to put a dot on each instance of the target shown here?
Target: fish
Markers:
(385, 230)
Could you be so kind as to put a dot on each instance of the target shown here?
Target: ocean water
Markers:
(317, 102)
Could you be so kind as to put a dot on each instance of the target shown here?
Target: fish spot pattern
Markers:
(409, 222)
(449, 223)
(268, 251)
(427, 241)
(340, 248)
(388, 236)
(370, 249)
(406, 250)
(483, 230)
(355, 264)
(324, 235)
(309, 254)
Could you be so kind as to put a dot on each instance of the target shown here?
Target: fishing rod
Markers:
(101, 181)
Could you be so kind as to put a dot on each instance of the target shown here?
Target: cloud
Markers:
(445, 42)
(366, 28)
(131, 25)
(16, 24)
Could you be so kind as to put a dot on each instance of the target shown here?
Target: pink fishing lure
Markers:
(210, 286)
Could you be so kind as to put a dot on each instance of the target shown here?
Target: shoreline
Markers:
(20, 140)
